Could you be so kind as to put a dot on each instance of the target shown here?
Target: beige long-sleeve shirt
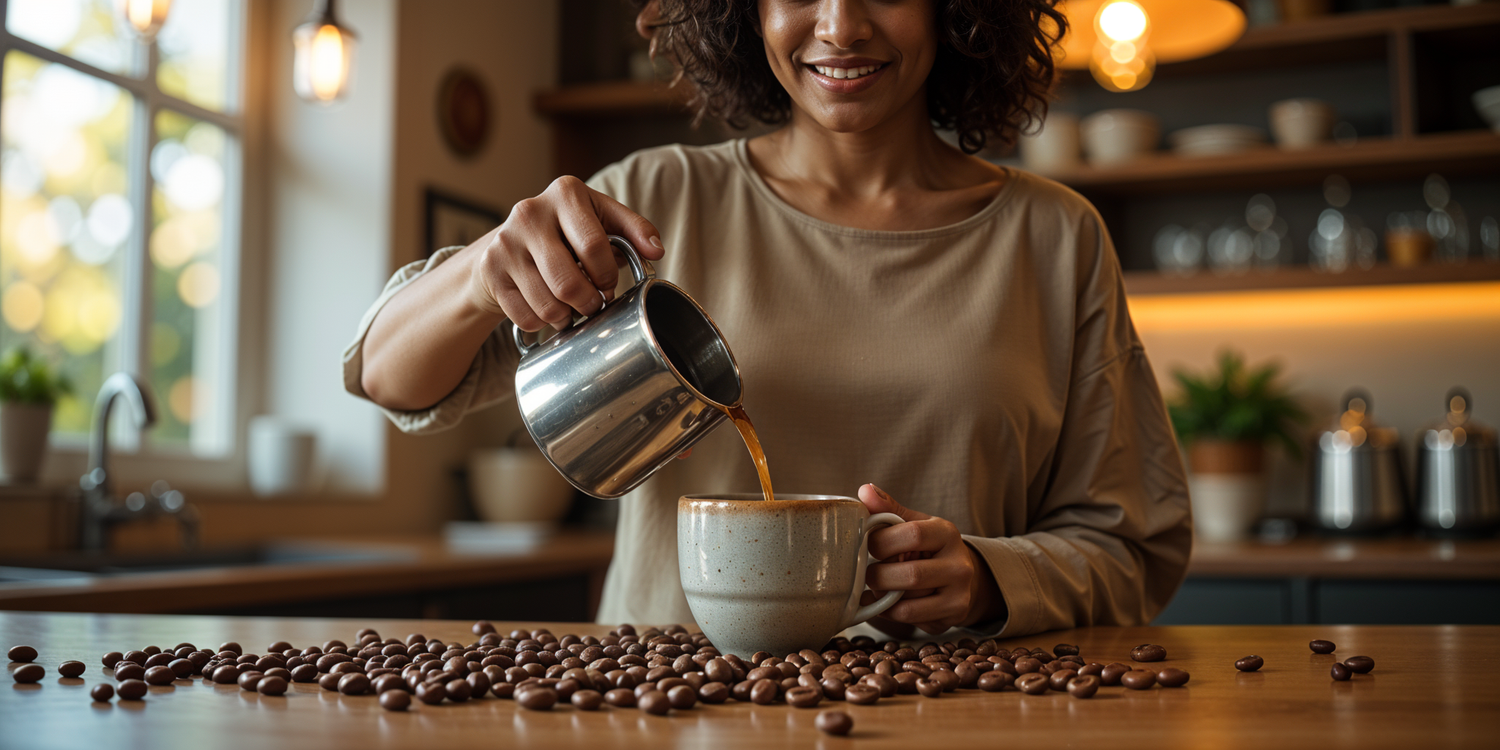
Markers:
(986, 372)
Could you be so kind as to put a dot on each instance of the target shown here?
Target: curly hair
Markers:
(992, 76)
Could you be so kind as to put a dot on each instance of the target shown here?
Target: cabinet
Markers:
(1401, 77)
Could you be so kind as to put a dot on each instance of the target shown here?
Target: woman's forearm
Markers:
(422, 342)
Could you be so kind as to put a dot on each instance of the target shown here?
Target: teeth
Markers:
(844, 73)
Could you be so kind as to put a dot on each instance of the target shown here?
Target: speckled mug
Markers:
(779, 576)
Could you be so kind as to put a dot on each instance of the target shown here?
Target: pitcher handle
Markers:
(891, 597)
(640, 270)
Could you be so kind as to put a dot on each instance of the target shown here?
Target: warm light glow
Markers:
(145, 17)
(22, 305)
(325, 55)
(199, 284)
(1122, 21)
(1300, 308)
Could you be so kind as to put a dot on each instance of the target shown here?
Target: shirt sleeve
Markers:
(1109, 540)
(490, 379)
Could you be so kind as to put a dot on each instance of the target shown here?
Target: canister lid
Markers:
(1457, 430)
(1354, 429)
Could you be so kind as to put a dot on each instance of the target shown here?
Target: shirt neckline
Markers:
(758, 184)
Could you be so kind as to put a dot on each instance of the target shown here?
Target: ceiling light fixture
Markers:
(144, 17)
(325, 56)
(1121, 41)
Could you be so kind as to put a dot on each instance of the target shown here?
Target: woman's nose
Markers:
(843, 23)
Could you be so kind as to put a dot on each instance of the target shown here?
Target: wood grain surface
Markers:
(1431, 687)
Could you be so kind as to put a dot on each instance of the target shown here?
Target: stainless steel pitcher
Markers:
(617, 396)
(1458, 472)
(1357, 482)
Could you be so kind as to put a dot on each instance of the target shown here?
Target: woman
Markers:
(910, 321)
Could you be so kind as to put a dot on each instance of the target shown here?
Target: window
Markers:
(119, 208)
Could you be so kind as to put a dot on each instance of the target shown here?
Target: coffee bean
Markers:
(538, 698)
(182, 668)
(1032, 683)
(305, 673)
(1148, 652)
(835, 723)
(1083, 686)
(587, 700)
(232, 646)
(713, 693)
(1110, 674)
(862, 694)
(1339, 672)
(272, 686)
(1321, 647)
(1359, 664)
(1249, 663)
(834, 688)
(804, 697)
(29, 674)
(356, 683)
(459, 690)
(684, 697)
(1138, 679)
(431, 693)
(21, 654)
(1028, 665)
(1059, 680)
(1092, 668)
(655, 702)
(764, 692)
(136, 657)
(1172, 677)
(395, 700)
(225, 675)
(929, 688)
(887, 685)
(330, 682)
(620, 698)
(159, 660)
(387, 682)
(159, 676)
(994, 682)
(70, 668)
(102, 692)
(906, 683)
(1065, 649)
(129, 670)
(132, 690)
(111, 659)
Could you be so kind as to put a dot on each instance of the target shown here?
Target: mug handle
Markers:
(891, 597)
(639, 269)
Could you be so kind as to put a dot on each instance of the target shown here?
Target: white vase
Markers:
(1226, 507)
(23, 440)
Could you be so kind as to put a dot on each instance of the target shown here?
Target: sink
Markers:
(61, 567)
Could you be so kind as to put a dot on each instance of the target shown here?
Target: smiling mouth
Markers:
(842, 74)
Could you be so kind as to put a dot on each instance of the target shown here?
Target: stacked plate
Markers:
(1211, 140)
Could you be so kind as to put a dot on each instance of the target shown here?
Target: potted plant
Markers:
(1225, 419)
(29, 388)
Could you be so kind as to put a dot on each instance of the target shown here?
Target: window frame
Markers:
(216, 459)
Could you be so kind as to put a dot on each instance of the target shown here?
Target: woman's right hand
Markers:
(526, 270)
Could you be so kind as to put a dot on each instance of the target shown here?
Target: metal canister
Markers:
(1357, 481)
(617, 396)
(1458, 472)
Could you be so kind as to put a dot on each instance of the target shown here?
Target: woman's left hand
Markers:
(946, 583)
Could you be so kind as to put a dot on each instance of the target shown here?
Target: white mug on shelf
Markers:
(1054, 149)
(281, 457)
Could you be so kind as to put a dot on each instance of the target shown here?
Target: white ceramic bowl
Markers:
(1116, 136)
(1487, 101)
(517, 485)
(1301, 123)
(1054, 148)
(1208, 140)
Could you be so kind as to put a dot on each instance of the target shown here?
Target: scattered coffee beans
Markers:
(21, 653)
(835, 723)
(102, 692)
(1339, 672)
(70, 668)
(1249, 663)
(1321, 647)
(29, 674)
(1172, 677)
(1359, 664)
(1148, 652)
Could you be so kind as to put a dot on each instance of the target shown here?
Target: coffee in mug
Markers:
(776, 576)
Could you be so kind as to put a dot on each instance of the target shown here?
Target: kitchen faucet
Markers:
(98, 511)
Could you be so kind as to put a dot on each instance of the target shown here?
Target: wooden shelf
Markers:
(1464, 152)
(612, 99)
(1153, 283)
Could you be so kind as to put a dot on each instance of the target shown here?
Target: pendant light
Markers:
(143, 17)
(325, 56)
(1121, 41)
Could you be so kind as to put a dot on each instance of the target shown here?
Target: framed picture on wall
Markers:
(451, 220)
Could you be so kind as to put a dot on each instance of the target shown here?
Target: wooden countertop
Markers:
(1405, 558)
(412, 563)
(1432, 687)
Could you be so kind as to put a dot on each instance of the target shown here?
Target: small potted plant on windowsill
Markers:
(29, 388)
(1225, 419)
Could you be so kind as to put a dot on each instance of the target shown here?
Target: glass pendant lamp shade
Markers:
(143, 17)
(324, 59)
(1121, 41)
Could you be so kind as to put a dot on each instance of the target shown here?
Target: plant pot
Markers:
(23, 440)
(1228, 488)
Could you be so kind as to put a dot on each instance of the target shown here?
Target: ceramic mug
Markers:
(777, 576)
